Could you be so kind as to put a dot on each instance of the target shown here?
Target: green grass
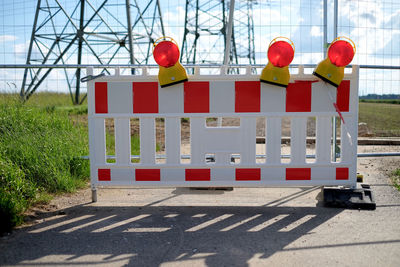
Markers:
(381, 119)
(396, 179)
(135, 146)
(40, 151)
(110, 145)
(42, 99)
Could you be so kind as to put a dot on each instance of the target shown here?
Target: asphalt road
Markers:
(243, 227)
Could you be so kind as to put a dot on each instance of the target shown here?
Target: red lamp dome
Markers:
(280, 54)
(341, 53)
(166, 54)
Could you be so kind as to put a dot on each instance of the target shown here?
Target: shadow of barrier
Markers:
(150, 236)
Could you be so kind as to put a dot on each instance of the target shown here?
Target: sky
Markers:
(374, 26)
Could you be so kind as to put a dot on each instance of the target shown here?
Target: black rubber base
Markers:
(360, 198)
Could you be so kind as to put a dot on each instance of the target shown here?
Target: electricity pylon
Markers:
(89, 32)
(204, 38)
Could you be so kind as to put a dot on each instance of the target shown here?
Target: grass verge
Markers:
(396, 179)
(382, 119)
(40, 153)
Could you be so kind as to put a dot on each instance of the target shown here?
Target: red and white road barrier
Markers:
(123, 97)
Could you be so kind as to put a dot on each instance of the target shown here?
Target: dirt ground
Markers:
(243, 227)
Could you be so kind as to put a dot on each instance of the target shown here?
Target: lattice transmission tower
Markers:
(206, 23)
(89, 32)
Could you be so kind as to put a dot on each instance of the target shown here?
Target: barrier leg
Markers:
(94, 194)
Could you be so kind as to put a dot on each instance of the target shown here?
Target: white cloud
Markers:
(7, 38)
(371, 29)
(316, 31)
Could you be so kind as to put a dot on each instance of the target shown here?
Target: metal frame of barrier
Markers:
(122, 97)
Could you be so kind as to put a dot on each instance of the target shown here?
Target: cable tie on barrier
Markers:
(338, 112)
(92, 77)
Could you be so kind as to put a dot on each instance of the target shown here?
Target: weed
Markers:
(396, 179)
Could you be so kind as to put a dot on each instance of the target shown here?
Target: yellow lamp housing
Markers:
(329, 73)
(275, 75)
(172, 75)
(339, 54)
(280, 55)
(166, 54)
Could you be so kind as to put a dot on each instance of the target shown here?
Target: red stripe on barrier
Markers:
(343, 96)
(100, 97)
(248, 174)
(197, 175)
(196, 97)
(298, 96)
(145, 97)
(298, 174)
(342, 173)
(144, 175)
(247, 96)
(104, 174)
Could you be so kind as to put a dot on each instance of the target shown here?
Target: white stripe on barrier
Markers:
(273, 174)
(320, 99)
(222, 96)
(175, 175)
(171, 99)
(120, 97)
(273, 98)
(223, 175)
(322, 173)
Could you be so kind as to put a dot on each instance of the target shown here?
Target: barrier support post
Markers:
(94, 194)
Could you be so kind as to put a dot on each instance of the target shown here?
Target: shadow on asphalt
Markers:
(152, 235)
(158, 234)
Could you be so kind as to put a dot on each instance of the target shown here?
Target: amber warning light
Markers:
(340, 54)
(280, 55)
(166, 54)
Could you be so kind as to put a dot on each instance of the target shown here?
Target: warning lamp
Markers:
(280, 55)
(166, 54)
(340, 54)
